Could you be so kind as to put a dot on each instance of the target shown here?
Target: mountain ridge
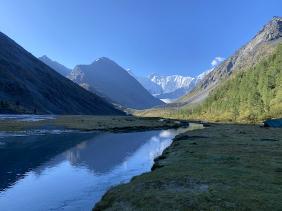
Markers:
(63, 70)
(108, 79)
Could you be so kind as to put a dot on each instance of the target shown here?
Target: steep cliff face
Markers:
(261, 46)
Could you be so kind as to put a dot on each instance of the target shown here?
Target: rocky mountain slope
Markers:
(55, 65)
(27, 85)
(251, 95)
(106, 78)
(262, 45)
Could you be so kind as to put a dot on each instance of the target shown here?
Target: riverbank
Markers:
(91, 123)
(224, 166)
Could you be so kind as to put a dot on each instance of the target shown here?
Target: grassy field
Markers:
(88, 123)
(222, 167)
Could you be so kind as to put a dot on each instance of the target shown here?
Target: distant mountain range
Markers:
(170, 88)
(165, 88)
(27, 85)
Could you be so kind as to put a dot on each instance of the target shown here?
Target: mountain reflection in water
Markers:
(72, 171)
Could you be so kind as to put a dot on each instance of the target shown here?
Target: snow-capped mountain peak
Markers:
(172, 82)
(170, 87)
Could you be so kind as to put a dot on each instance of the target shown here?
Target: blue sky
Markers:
(147, 36)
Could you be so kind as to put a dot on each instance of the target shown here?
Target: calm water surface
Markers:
(71, 171)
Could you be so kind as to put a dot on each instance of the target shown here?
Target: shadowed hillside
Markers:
(27, 85)
(107, 79)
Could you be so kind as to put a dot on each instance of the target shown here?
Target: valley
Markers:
(245, 88)
(128, 119)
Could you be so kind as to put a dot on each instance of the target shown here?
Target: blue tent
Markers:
(273, 123)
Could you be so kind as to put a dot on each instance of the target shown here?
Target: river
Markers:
(72, 170)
